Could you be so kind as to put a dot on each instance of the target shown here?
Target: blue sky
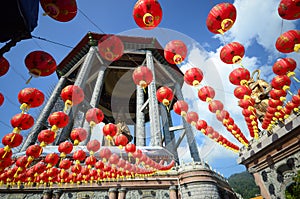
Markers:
(257, 27)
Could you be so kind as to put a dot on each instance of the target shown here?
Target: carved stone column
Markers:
(122, 193)
(173, 192)
(140, 133)
(38, 126)
(189, 132)
(112, 193)
(156, 138)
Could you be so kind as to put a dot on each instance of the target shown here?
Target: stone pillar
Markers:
(94, 100)
(169, 136)
(122, 193)
(173, 193)
(189, 132)
(156, 138)
(140, 134)
(41, 121)
(80, 81)
(112, 193)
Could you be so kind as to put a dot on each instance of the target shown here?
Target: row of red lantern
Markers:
(181, 108)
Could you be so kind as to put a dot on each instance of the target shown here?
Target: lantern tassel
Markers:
(68, 105)
(296, 79)
(27, 82)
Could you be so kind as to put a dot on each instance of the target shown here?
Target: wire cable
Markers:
(91, 21)
(54, 42)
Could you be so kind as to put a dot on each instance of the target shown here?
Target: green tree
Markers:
(293, 191)
(244, 184)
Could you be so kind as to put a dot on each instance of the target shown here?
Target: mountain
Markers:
(244, 184)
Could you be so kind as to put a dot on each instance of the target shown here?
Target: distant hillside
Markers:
(244, 184)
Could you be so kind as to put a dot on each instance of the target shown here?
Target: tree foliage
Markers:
(244, 184)
(293, 191)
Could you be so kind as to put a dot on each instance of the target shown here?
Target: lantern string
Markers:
(91, 21)
(53, 42)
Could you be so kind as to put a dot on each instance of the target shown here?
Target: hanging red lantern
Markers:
(215, 106)
(241, 91)
(281, 82)
(79, 155)
(34, 151)
(278, 94)
(93, 146)
(30, 98)
(40, 63)
(110, 47)
(206, 93)
(113, 159)
(239, 76)
(245, 103)
(65, 164)
(181, 107)
(289, 9)
(142, 76)
(12, 140)
(296, 100)
(51, 159)
(192, 117)
(104, 153)
(222, 115)
(232, 53)
(58, 120)
(22, 121)
(164, 95)
(4, 66)
(147, 14)
(60, 10)
(201, 125)
(221, 18)
(121, 140)
(284, 65)
(65, 148)
(94, 116)
(1, 99)
(109, 131)
(130, 148)
(175, 52)
(288, 42)
(78, 135)
(5, 153)
(46, 137)
(72, 95)
(193, 76)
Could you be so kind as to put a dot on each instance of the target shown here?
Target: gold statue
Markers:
(260, 93)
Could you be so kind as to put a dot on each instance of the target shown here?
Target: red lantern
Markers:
(79, 155)
(274, 103)
(164, 95)
(175, 52)
(147, 14)
(40, 63)
(5, 153)
(58, 120)
(51, 159)
(72, 95)
(22, 121)
(113, 159)
(201, 125)
(90, 161)
(93, 146)
(130, 148)
(30, 98)
(206, 93)
(245, 103)
(221, 18)
(46, 137)
(65, 164)
(215, 106)
(288, 42)
(110, 130)
(4, 66)
(1, 99)
(34, 151)
(289, 9)
(104, 153)
(284, 65)
(241, 91)
(278, 94)
(281, 82)
(110, 47)
(121, 140)
(296, 100)
(65, 148)
(192, 117)
(60, 10)
(181, 107)
(232, 53)
(193, 76)
(142, 76)
(78, 135)
(239, 76)
(12, 140)
(94, 116)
